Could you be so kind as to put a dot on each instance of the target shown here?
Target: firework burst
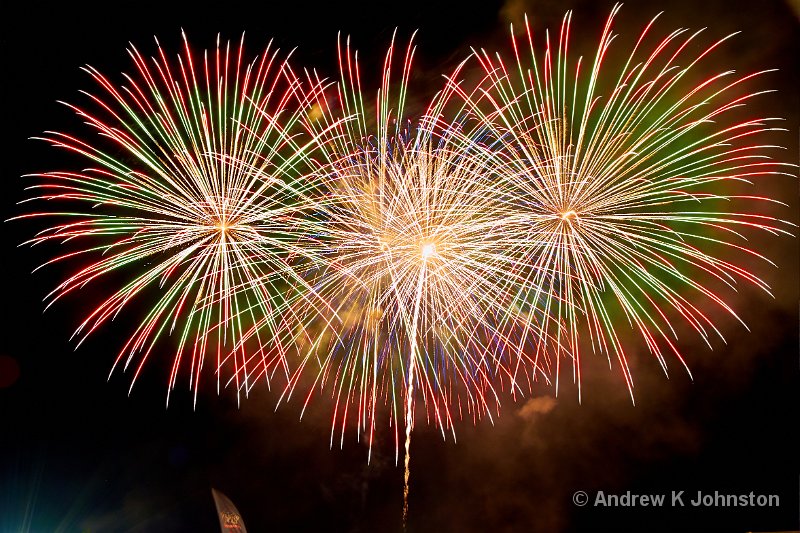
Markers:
(194, 190)
(420, 272)
(631, 191)
(282, 228)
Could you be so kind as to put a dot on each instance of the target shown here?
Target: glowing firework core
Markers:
(569, 216)
(428, 250)
(225, 227)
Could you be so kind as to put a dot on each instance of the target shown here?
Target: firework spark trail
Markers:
(426, 252)
(194, 181)
(607, 184)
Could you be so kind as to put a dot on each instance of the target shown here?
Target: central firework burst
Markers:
(417, 270)
(421, 273)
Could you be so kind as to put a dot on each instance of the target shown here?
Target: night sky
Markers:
(81, 454)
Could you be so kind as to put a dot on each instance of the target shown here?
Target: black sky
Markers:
(80, 454)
